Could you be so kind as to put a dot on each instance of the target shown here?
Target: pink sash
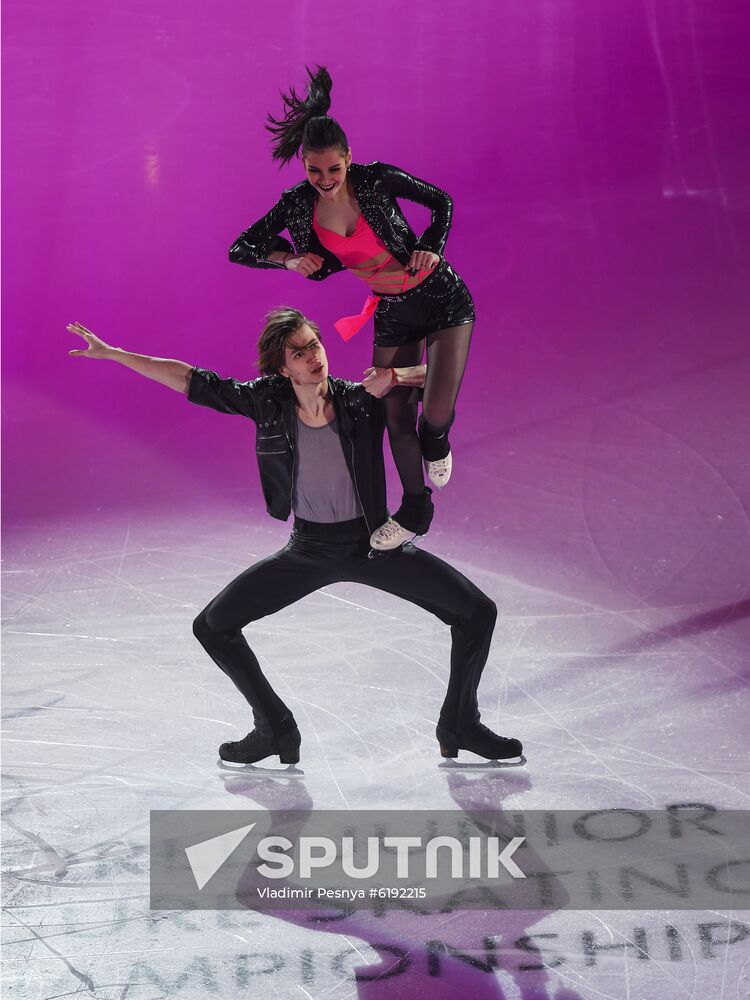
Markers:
(347, 326)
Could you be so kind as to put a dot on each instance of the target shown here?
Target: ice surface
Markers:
(111, 709)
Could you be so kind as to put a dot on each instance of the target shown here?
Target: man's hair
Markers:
(281, 324)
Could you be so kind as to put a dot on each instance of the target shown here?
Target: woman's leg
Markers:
(447, 351)
(401, 416)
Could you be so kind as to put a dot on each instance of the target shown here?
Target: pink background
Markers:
(598, 158)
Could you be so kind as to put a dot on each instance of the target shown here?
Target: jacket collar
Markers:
(280, 389)
(305, 194)
(282, 395)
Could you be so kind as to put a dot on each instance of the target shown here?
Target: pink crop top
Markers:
(365, 254)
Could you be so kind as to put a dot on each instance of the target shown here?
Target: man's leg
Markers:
(432, 584)
(263, 589)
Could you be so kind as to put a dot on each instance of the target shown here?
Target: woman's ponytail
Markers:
(305, 123)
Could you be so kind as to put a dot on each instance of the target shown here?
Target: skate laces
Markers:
(250, 740)
(391, 529)
(486, 731)
(439, 466)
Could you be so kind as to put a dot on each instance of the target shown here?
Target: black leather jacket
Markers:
(376, 188)
(270, 402)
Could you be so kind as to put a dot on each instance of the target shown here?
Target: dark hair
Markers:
(305, 123)
(281, 324)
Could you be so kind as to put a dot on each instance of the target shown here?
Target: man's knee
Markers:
(485, 612)
(201, 631)
(211, 624)
(206, 627)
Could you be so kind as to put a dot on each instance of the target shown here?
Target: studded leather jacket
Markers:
(377, 186)
(270, 402)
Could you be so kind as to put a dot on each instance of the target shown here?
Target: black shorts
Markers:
(440, 301)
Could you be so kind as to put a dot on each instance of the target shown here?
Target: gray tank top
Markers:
(323, 489)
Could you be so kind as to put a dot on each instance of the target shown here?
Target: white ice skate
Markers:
(390, 535)
(439, 472)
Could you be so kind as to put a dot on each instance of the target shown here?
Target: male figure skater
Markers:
(319, 442)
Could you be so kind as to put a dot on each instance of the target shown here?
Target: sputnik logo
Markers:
(207, 857)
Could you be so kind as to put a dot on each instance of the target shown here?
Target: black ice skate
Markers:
(261, 743)
(479, 740)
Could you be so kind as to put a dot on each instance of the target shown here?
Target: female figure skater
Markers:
(346, 215)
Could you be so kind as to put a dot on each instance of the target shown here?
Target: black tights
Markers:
(447, 351)
(318, 556)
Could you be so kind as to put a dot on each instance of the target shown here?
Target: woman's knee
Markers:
(437, 417)
(401, 417)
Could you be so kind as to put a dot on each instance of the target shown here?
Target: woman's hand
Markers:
(95, 348)
(305, 265)
(379, 381)
(423, 260)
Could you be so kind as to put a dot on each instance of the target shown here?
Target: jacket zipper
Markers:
(291, 448)
(356, 488)
(341, 423)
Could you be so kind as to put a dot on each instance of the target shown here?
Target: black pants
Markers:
(318, 555)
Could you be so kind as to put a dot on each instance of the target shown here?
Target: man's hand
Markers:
(174, 374)
(422, 260)
(379, 381)
(305, 265)
(95, 348)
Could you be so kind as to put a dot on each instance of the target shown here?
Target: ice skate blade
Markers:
(290, 770)
(483, 765)
(403, 547)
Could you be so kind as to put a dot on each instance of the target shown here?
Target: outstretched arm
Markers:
(174, 374)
